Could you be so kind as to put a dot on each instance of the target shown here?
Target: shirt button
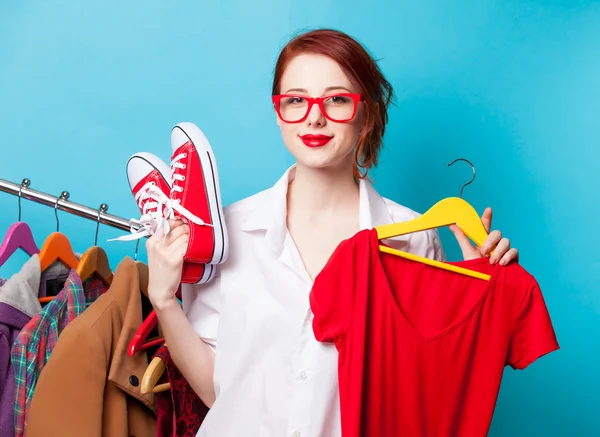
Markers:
(133, 380)
(303, 376)
(297, 434)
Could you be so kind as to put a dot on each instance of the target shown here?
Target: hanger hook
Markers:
(24, 184)
(103, 208)
(63, 196)
(474, 173)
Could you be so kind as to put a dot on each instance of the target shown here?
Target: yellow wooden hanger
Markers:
(153, 372)
(449, 211)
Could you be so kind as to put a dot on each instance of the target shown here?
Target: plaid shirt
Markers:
(31, 351)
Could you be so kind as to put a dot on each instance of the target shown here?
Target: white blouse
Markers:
(272, 378)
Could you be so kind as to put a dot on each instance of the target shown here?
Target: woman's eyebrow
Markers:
(329, 88)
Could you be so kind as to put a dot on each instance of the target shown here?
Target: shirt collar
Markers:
(66, 305)
(270, 211)
(21, 290)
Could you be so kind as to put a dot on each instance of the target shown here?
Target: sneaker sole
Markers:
(207, 276)
(213, 194)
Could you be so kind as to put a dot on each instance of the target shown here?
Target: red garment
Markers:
(179, 411)
(422, 349)
(165, 418)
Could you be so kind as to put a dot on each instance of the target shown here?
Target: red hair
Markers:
(363, 72)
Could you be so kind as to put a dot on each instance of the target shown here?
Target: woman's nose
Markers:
(315, 116)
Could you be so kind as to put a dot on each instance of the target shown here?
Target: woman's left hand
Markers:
(503, 253)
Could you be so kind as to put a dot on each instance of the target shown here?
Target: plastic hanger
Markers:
(152, 375)
(57, 247)
(156, 368)
(138, 341)
(449, 211)
(18, 236)
(94, 261)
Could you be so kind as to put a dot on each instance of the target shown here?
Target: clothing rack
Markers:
(62, 203)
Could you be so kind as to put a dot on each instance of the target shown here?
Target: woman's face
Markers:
(318, 142)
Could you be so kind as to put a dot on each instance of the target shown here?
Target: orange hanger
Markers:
(57, 247)
(95, 262)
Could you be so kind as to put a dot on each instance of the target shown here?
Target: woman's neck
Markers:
(324, 192)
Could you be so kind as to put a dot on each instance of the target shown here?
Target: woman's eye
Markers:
(295, 100)
(339, 99)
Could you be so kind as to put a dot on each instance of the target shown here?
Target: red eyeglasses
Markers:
(339, 108)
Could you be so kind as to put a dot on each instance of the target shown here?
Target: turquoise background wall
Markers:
(512, 85)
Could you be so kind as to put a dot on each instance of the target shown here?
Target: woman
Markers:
(246, 346)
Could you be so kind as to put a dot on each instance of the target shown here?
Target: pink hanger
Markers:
(18, 236)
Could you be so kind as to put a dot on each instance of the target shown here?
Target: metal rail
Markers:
(63, 204)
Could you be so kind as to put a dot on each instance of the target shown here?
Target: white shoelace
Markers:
(175, 177)
(157, 209)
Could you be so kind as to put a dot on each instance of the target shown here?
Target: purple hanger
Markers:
(18, 236)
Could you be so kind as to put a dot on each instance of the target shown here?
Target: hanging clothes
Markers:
(18, 304)
(91, 386)
(422, 350)
(179, 411)
(37, 339)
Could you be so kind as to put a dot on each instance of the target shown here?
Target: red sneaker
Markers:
(149, 180)
(196, 190)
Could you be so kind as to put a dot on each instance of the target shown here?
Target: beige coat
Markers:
(90, 386)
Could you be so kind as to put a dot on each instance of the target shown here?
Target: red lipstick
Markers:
(315, 140)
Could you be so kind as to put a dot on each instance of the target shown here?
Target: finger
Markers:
(502, 247)
(174, 234)
(179, 246)
(492, 240)
(159, 234)
(486, 219)
(152, 241)
(468, 251)
(510, 256)
(176, 223)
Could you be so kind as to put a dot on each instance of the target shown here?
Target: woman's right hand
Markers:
(195, 359)
(165, 263)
